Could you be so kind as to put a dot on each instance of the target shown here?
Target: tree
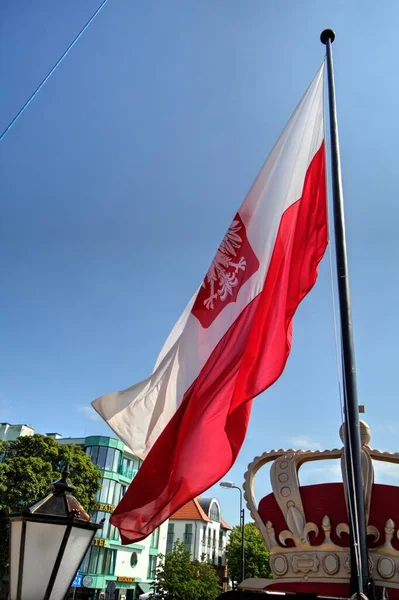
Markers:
(177, 578)
(28, 466)
(207, 581)
(257, 562)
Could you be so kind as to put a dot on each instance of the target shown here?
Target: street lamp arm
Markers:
(240, 490)
(230, 485)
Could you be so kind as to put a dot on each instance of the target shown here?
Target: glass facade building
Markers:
(131, 567)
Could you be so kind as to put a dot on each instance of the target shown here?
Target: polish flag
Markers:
(188, 420)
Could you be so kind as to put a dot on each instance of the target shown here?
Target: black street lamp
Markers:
(230, 485)
(48, 541)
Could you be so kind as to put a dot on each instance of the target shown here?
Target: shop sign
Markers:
(99, 542)
(127, 579)
(106, 507)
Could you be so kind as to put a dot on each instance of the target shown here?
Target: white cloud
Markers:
(303, 442)
(89, 412)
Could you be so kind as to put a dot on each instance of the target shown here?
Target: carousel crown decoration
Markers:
(309, 552)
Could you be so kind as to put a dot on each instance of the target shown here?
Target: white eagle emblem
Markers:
(222, 274)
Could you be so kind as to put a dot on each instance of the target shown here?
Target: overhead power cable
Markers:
(59, 61)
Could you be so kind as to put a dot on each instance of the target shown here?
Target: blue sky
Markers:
(119, 181)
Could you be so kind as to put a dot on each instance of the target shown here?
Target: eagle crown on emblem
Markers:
(304, 551)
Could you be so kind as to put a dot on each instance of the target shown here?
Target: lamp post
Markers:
(48, 541)
(230, 484)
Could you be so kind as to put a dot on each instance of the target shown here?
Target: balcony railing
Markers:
(128, 472)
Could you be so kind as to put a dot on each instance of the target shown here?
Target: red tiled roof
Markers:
(224, 524)
(191, 511)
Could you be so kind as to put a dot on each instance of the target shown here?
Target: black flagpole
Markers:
(352, 444)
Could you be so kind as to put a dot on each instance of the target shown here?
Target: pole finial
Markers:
(327, 34)
(65, 471)
(63, 485)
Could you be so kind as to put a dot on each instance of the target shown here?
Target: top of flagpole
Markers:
(327, 34)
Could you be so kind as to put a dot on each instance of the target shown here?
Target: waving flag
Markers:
(188, 420)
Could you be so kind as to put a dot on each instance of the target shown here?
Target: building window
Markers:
(170, 538)
(129, 467)
(204, 537)
(215, 513)
(152, 565)
(220, 540)
(117, 460)
(84, 567)
(133, 559)
(114, 533)
(102, 494)
(93, 559)
(117, 494)
(112, 460)
(99, 561)
(110, 492)
(109, 459)
(219, 561)
(155, 539)
(92, 451)
(188, 536)
(123, 491)
(209, 538)
(104, 457)
(214, 539)
(124, 467)
(97, 517)
(109, 561)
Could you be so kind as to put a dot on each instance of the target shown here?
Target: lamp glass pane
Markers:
(42, 543)
(16, 531)
(78, 542)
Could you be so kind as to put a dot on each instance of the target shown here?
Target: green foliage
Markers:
(207, 581)
(29, 465)
(256, 554)
(178, 578)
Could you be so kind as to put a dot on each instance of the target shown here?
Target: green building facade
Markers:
(128, 570)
